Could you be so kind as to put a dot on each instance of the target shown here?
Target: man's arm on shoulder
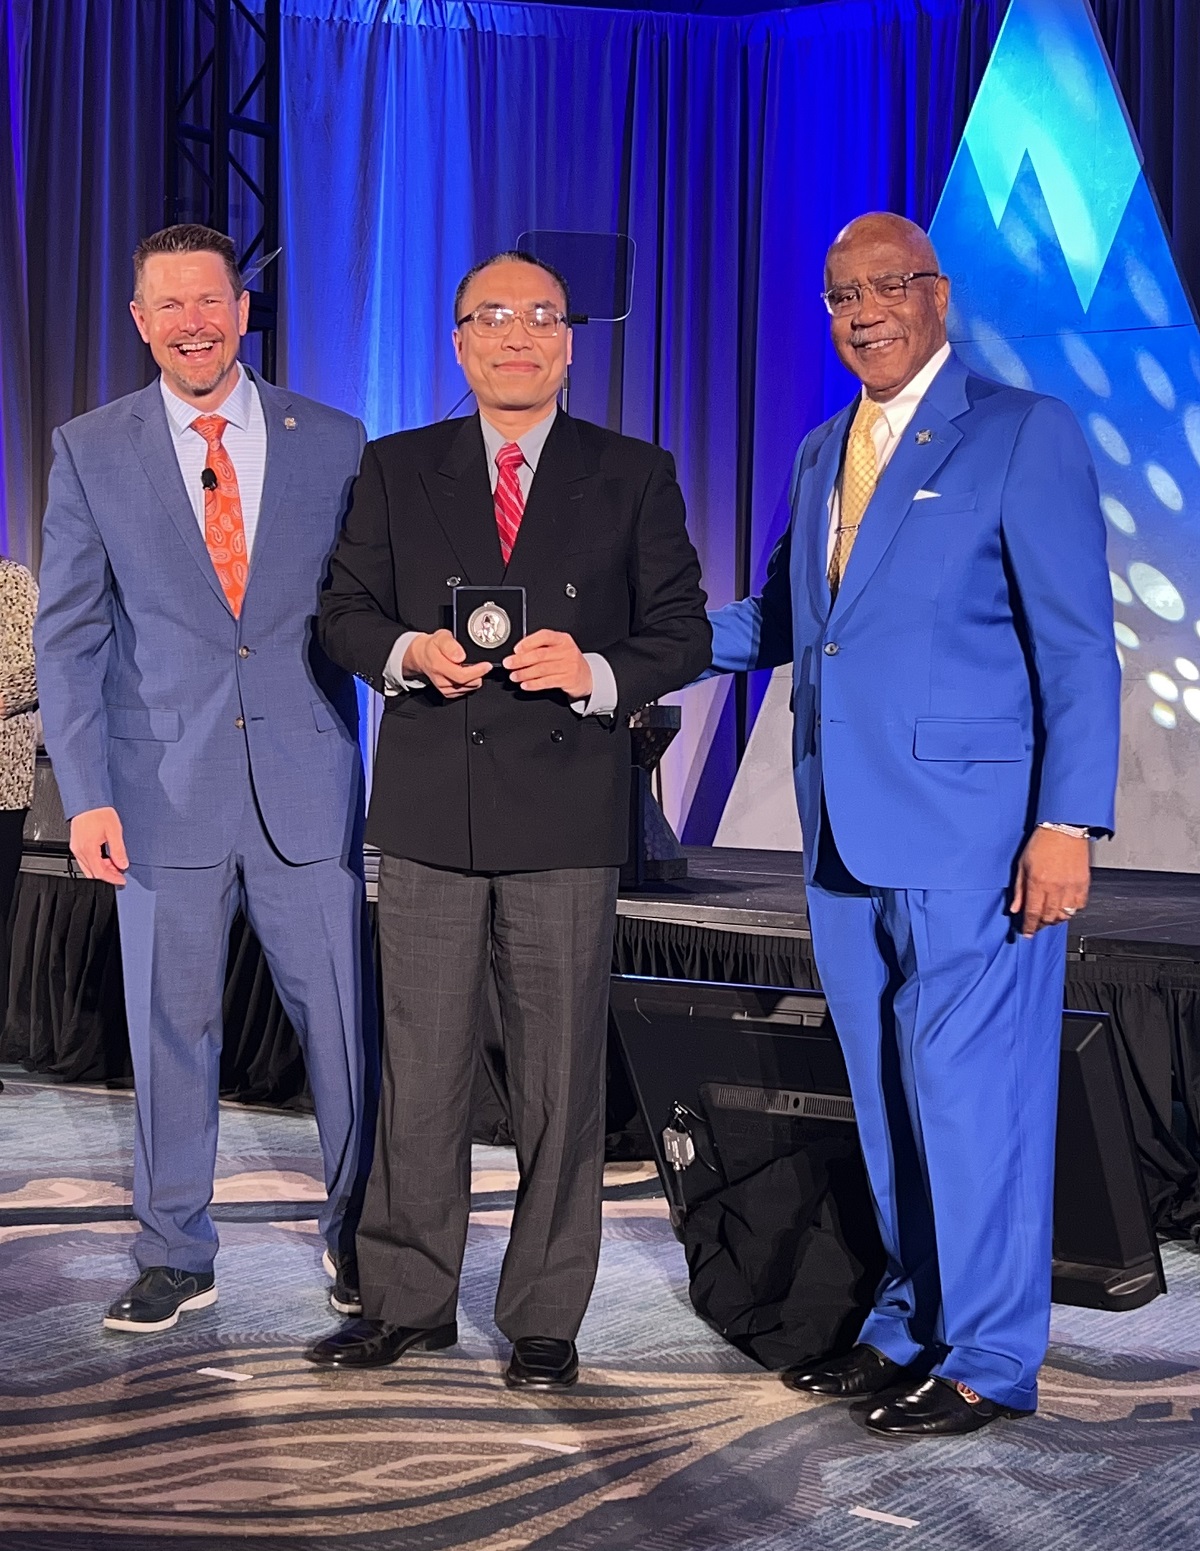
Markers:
(358, 623)
(72, 639)
(669, 642)
(1055, 541)
(756, 632)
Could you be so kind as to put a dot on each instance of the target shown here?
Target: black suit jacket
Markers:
(501, 780)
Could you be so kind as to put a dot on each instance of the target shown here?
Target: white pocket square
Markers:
(928, 495)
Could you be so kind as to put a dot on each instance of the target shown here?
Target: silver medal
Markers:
(489, 626)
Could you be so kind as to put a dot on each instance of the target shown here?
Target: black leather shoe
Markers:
(863, 1371)
(937, 1408)
(541, 1362)
(372, 1343)
(158, 1297)
(344, 1295)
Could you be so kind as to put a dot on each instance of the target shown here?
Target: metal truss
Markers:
(222, 152)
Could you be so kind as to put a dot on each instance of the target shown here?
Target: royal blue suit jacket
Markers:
(153, 696)
(964, 685)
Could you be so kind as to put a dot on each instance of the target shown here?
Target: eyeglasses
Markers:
(539, 321)
(888, 290)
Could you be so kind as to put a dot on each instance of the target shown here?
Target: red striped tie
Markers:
(510, 503)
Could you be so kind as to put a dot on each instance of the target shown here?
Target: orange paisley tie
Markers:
(224, 531)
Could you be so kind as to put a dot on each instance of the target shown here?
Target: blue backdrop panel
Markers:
(1064, 281)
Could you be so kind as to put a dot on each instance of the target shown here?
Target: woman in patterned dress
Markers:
(18, 699)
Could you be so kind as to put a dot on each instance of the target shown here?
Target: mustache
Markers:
(870, 336)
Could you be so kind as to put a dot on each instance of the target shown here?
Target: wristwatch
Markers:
(1076, 831)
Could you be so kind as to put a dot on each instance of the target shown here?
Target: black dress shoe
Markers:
(541, 1362)
(158, 1297)
(344, 1295)
(372, 1343)
(937, 1408)
(863, 1371)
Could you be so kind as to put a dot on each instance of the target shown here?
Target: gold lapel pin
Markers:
(923, 437)
(289, 422)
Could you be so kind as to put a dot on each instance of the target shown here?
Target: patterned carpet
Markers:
(671, 1442)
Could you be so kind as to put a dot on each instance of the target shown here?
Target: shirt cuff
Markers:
(603, 699)
(394, 682)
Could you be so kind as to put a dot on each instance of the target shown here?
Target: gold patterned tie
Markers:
(860, 474)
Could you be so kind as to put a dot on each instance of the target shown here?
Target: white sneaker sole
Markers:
(201, 1300)
(335, 1303)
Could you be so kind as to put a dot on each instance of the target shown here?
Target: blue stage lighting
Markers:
(1063, 281)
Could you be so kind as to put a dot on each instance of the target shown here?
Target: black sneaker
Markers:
(344, 1295)
(158, 1297)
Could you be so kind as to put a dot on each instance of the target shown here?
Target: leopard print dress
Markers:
(18, 684)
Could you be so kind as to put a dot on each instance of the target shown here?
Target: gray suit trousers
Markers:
(547, 938)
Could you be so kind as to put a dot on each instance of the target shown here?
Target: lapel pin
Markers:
(923, 437)
(289, 422)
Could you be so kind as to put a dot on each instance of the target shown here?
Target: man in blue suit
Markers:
(205, 748)
(943, 595)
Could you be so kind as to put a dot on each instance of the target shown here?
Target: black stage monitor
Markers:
(729, 1078)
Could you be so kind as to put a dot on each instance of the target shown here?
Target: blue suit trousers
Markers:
(951, 1026)
(311, 922)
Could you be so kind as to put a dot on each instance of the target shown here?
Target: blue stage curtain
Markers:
(88, 152)
(16, 439)
(418, 137)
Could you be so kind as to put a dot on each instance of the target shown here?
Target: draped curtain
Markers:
(417, 136)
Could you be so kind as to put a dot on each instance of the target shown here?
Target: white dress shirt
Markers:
(244, 439)
(603, 699)
(888, 429)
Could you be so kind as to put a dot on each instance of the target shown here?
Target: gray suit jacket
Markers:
(154, 697)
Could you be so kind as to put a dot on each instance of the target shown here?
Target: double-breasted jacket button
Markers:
(453, 581)
(569, 589)
(476, 736)
(556, 735)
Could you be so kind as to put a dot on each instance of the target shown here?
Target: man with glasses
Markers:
(943, 595)
(500, 804)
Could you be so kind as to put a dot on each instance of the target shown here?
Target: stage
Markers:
(739, 917)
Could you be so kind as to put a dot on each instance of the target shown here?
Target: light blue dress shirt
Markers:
(244, 439)
(603, 699)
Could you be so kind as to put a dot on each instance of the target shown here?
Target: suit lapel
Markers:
(152, 441)
(928, 440)
(557, 505)
(461, 497)
(816, 536)
(281, 473)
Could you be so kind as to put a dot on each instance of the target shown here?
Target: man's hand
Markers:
(1052, 880)
(89, 832)
(440, 660)
(549, 659)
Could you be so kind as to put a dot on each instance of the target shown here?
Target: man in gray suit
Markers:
(206, 748)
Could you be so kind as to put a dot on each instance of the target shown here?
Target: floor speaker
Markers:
(729, 1075)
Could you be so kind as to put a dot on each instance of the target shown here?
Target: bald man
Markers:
(943, 596)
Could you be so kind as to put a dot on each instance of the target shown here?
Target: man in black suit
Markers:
(500, 803)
